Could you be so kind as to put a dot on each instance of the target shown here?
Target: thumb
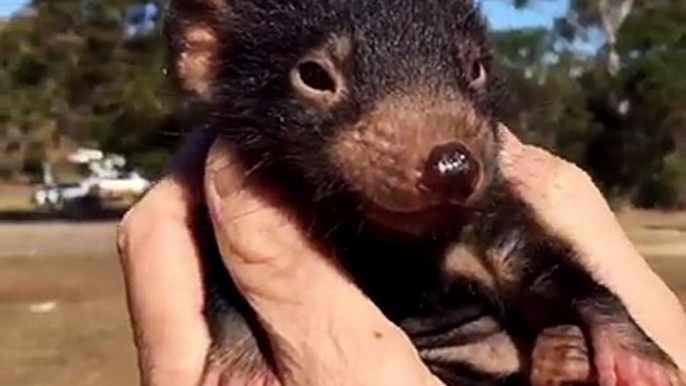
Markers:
(323, 330)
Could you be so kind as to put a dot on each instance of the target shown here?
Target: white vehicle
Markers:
(56, 195)
(125, 184)
(106, 180)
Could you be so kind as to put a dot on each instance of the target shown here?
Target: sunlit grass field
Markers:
(62, 315)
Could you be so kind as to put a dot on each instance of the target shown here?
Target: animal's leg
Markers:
(622, 354)
(235, 358)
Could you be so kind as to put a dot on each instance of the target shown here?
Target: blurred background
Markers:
(86, 122)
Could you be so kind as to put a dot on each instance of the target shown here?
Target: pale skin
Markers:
(324, 331)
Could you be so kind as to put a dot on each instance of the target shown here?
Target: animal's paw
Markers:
(560, 357)
(242, 365)
(617, 365)
(215, 376)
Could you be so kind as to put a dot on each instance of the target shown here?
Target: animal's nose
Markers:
(451, 172)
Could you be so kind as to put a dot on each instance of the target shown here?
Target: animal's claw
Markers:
(560, 357)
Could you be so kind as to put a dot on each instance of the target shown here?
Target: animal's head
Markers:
(391, 99)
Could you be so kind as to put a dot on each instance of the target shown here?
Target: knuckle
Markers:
(575, 175)
(123, 234)
(126, 228)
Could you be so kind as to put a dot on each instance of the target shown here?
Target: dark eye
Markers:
(318, 80)
(314, 76)
(477, 75)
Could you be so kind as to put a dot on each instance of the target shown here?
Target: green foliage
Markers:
(70, 69)
(666, 187)
(628, 129)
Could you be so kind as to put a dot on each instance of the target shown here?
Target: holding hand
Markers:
(323, 329)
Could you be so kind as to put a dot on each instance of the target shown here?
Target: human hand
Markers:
(322, 329)
(562, 195)
(305, 304)
(565, 198)
(162, 273)
(270, 256)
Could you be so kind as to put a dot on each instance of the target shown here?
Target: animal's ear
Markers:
(196, 32)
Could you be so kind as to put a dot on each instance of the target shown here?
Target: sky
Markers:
(500, 12)
(503, 15)
(7, 7)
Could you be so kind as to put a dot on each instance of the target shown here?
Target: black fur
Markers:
(398, 46)
(426, 44)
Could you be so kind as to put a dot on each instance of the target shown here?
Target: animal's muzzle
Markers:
(450, 173)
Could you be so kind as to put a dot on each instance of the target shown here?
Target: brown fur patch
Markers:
(237, 361)
(561, 357)
(503, 264)
(194, 36)
(495, 354)
(195, 63)
(383, 155)
(461, 261)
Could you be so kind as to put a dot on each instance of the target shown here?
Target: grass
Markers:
(85, 340)
(15, 198)
(16, 204)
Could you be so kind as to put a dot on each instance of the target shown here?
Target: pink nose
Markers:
(450, 172)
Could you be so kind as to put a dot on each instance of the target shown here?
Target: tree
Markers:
(588, 16)
(80, 72)
(625, 121)
(652, 45)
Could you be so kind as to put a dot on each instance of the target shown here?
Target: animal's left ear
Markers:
(196, 32)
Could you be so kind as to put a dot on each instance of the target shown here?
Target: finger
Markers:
(163, 278)
(521, 164)
(323, 330)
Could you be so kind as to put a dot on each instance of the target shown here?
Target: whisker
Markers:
(310, 228)
(333, 229)
(360, 227)
(252, 171)
(255, 168)
(327, 190)
(170, 133)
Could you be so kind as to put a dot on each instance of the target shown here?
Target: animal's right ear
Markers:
(196, 32)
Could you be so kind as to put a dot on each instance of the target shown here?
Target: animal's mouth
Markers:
(428, 198)
(438, 218)
(412, 159)
(448, 176)
(402, 201)
(406, 183)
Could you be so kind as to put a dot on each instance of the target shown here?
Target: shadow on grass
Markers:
(662, 227)
(27, 216)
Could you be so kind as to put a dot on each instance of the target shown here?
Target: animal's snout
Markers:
(450, 172)
(409, 156)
